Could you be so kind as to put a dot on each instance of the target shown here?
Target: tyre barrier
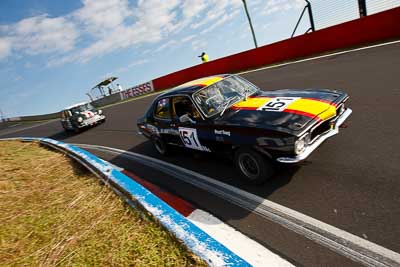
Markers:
(138, 197)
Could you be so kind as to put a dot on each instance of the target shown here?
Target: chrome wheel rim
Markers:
(249, 166)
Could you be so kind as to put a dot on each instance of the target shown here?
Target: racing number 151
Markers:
(278, 104)
(188, 138)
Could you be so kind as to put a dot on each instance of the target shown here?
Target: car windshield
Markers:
(216, 98)
(81, 108)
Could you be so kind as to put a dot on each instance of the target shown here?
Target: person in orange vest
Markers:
(204, 57)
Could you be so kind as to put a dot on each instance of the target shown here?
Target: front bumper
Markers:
(92, 121)
(335, 130)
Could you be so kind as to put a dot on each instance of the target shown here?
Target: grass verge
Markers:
(54, 212)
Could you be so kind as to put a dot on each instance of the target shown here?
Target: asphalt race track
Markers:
(351, 182)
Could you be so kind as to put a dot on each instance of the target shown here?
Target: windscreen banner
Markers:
(137, 90)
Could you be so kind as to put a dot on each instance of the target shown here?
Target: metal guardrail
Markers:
(138, 197)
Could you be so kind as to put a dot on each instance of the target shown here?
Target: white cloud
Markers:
(5, 47)
(166, 45)
(193, 8)
(274, 6)
(198, 45)
(101, 16)
(216, 10)
(131, 65)
(225, 18)
(39, 34)
(42, 34)
(254, 3)
(108, 25)
(188, 38)
(154, 20)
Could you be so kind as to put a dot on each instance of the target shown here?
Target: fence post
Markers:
(362, 7)
(310, 14)
(251, 25)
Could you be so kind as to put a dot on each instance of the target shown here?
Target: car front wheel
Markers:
(253, 166)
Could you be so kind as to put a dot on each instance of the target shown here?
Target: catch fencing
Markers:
(320, 14)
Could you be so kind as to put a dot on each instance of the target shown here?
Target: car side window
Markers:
(163, 109)
(182, 105)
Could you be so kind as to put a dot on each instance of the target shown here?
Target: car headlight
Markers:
(100, 111)
(80, 119)
(301, 144)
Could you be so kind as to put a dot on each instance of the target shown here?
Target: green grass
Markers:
(53, 212)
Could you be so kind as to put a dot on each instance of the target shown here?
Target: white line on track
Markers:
(342, 242)
(323, 56)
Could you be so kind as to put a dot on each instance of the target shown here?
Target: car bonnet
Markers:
(287, 110)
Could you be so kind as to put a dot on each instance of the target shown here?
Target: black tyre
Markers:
(160, 146)
(65, 128)
(254, 167)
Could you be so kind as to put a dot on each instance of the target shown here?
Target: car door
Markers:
(189, 123)
(166, 128)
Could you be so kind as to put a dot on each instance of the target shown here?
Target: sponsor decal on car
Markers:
(222, 132)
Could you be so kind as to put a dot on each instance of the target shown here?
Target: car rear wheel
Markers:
(160, 146)
(253, 166)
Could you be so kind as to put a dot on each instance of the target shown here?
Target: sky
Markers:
(53, 51)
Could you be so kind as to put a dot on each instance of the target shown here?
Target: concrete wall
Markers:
(50, 116)
(107, 100)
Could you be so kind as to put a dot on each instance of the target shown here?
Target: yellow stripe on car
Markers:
(329, 113)
(317, 108)
(254, 102)
(307, 107)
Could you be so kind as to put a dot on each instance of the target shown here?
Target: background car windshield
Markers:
(214, 98)
(82, 108)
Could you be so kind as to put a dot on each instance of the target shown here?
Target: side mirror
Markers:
(186, 119)
(100, 111)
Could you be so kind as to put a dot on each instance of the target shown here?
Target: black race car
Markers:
(228, 114)
(81, 115)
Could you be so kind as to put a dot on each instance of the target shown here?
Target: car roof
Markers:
(192, 86)
(76, 105)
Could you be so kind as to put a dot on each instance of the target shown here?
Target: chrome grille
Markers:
(325, 126)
